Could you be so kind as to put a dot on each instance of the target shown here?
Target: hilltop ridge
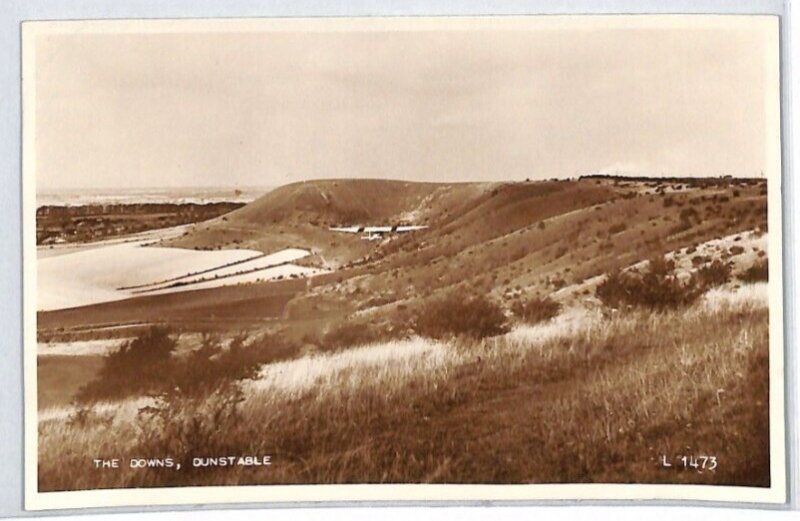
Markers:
(300, 215)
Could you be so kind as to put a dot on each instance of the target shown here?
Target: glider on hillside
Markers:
(372, 233)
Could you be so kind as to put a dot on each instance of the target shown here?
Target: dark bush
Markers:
(458, 314)
(682, 226)
(615, 290)
(657, 288)
(536, 310)
(714, 274)
(138, 366)
(617, 228)
(148, 366)
(758, 272)
(212, 366)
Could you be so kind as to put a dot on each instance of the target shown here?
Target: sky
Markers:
(198, 107)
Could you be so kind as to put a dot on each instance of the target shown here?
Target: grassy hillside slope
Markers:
(582, 399)
(508, 239)
(340, 380)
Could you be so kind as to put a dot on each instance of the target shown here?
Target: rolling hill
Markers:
(299, 215)
(339, 376)
(510, 240)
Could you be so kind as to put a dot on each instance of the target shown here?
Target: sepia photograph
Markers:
(403, 258)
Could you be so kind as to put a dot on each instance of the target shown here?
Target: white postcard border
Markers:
(35, 500)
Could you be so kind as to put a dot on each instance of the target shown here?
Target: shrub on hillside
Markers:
(758, 272)
(715, 274)
(212, 366)
(536, 310)
(456, 314)
(617, 228)
(658, 288)
(138, 366)
(148, 365)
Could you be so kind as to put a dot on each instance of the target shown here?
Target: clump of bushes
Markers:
(458, 314)
(205, 370)
(536, 310)
(138, 366)
(149, 366)
(758, 272)
(659, 287)
(715, 274)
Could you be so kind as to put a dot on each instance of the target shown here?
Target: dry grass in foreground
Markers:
(575, 400)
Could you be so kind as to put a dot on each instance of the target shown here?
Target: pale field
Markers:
(261, 263)
(270, 267)
(279, 272)
(98, 275)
